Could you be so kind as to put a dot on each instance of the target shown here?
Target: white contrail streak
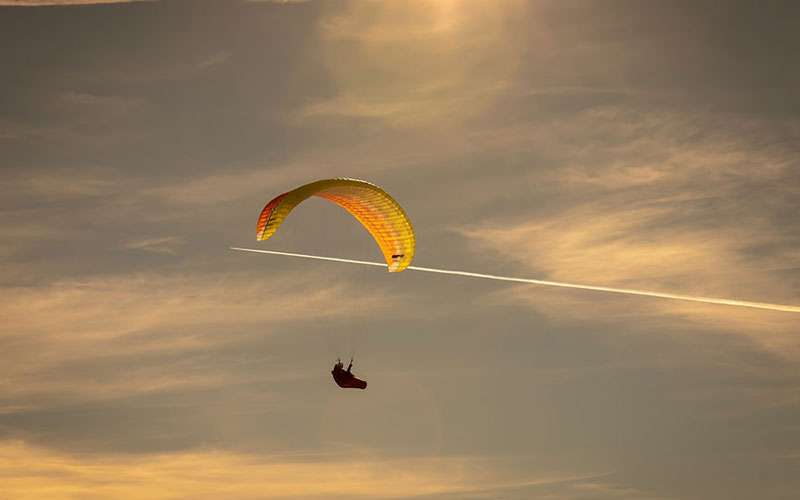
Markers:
(627, 291)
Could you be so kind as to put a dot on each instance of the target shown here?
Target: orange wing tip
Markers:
(264, 217)
(260, 233)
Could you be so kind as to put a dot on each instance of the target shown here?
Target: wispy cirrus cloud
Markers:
(278, 1)
(31, 471)
(59, 186)
(76, 323)
(40, 3)
(453, 62)
(162, 245)
(659, 202)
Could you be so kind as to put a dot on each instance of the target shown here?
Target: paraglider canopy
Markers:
(378, 212)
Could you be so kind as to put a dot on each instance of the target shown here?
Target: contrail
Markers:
(627, 291)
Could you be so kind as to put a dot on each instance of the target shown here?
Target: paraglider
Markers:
(378, 212)
(344, 378)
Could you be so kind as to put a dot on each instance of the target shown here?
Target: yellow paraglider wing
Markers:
(378, 212)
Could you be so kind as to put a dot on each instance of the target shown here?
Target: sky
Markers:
(649, 145)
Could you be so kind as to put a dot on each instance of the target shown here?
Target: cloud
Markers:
(597, 489)
(278, 1)
(164, 245)
(128, 72)
(34, 472)
(638, 248)
(41, 207)
(656, 201)
(38, 3)
(105, 104)
(214, 59)
(372, 161)
(423, 64)
(62, 185)
(11, 131)
(78, 119)
(69, 326)
(222, 187)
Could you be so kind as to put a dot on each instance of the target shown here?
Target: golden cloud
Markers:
(651, 207)
(417, 64)
(34, 472)
(83, 320)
